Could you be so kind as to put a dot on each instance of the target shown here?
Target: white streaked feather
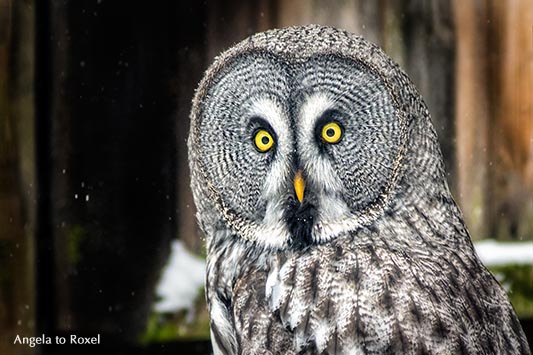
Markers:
(221, 318)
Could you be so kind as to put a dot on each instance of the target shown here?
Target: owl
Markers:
(329, 225)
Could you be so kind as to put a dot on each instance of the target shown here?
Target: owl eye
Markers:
(331, 132)
(263, 140)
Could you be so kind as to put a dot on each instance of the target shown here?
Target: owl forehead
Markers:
(266, 84)
(254, 72)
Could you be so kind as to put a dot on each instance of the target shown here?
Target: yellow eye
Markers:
(263, 140)
(331, 132)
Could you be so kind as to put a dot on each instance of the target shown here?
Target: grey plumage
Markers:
(376, 258)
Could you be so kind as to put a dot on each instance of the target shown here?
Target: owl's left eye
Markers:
(331, 132)
(263, 140)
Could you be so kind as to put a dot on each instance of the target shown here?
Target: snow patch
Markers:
(183, 278)
(493, 253)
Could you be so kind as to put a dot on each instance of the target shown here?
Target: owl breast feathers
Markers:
(330, 228)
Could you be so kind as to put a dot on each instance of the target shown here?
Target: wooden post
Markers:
(17, 176)
(494, 117)
(510, 40)
(357, 16)
(472, 113)
(113, 168)
(231, 21)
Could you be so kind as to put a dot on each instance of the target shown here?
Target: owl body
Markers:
(329, 225)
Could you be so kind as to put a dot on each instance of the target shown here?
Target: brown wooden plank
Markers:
(472, 113)
(510, 41)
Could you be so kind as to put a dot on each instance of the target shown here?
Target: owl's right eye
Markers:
(263, 140)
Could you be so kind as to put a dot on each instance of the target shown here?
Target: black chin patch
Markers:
(300, 218)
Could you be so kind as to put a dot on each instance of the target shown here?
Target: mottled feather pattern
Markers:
(355, 297)
(376, 259)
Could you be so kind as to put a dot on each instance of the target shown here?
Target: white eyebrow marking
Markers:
(269, 110)
(318, 168)
(313, 107)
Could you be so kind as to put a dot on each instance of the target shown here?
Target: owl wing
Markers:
(258, 329)
(222, 327)
(243, 323)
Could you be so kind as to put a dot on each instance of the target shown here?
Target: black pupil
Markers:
(330, 132)
(265, 140)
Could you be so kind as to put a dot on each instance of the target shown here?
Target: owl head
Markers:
(303, 134)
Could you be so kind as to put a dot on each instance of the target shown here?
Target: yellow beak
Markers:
(299, 186)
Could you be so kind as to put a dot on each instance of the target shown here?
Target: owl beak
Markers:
(299, 186)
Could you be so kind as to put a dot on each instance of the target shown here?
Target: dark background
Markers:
(94, 100)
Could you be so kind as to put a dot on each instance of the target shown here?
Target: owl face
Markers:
(298, 150)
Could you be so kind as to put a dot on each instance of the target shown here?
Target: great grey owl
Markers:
(330, 228)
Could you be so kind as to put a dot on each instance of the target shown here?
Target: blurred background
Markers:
(97, 227)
